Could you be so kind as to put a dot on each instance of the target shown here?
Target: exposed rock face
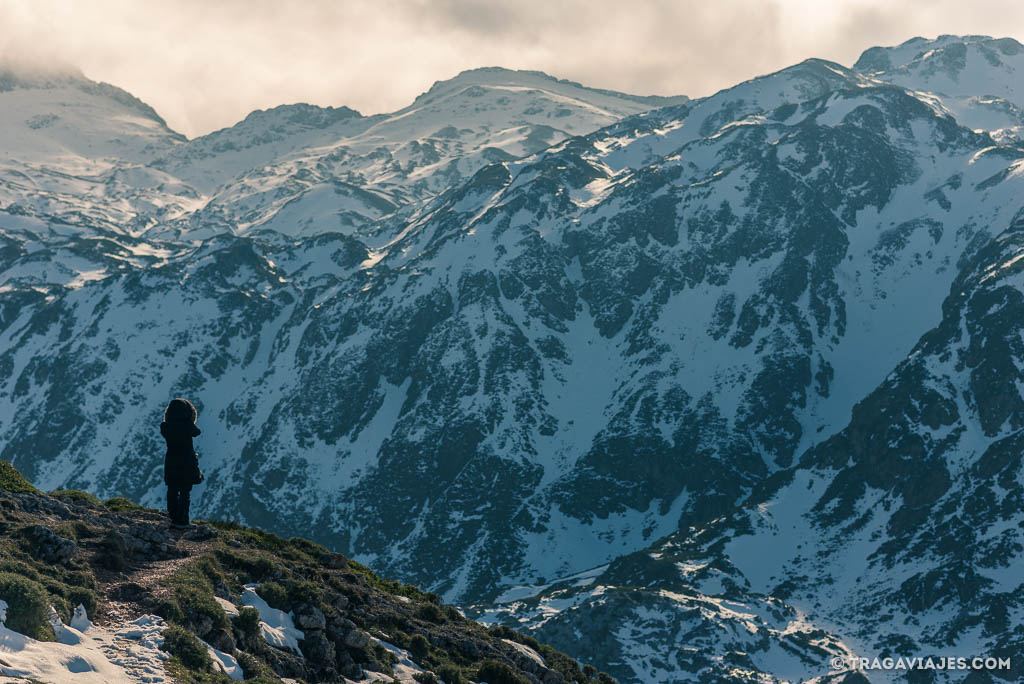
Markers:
(48, 546)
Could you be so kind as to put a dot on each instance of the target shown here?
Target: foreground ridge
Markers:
(221, 601)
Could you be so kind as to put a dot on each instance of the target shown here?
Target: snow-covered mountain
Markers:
(898, 536)
(661, 379)
(301, 169)
(977, 78)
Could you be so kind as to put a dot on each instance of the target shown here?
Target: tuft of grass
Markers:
(80, 596)
(301, 591)
(83, 531)
(419, 647)
(274, 594)
(431, 613)
(193, 593)
(386, 585)
(13, 481)
(450, 674)
(114, 554)
(120, 504)
(183, 675)
(256, 671)
(558, 661)
(453, 614)
(186, 647)
(11, 565)
(505, 632)
(260, 539)
(27, 605)
(310, 548)
(496, 672)
(258, 566)
(76, 495)
(65, 599)
(384, 657)
(247, 622)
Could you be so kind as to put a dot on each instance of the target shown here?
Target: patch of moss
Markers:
(76, 495)
(13, 481)
(120, 504)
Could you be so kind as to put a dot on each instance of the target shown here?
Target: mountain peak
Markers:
(22, 73)
(18, 74)
(301, 114)
(880, 59)
(495, 76)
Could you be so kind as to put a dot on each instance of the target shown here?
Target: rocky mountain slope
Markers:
(649, 383)
(106, 592)
(901, 535)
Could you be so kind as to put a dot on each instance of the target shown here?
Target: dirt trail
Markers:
(124, 597)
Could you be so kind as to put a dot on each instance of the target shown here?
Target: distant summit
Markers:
(884, 59)
(27, 73)
(976, 78)
(501, 77)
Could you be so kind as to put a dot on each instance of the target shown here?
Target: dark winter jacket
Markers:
(181, 464)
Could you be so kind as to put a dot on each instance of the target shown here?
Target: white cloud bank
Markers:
(205, 64)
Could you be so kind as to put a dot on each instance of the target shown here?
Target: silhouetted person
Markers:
(181, 464)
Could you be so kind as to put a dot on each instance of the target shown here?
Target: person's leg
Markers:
(185, 504)
(172, 503)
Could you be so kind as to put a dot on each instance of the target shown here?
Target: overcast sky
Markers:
(204, 64)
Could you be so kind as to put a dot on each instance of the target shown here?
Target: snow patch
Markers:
(277, 627)
(85, 653)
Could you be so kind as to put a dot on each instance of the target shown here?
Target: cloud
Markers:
(205, 65)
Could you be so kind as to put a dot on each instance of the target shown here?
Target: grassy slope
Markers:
(115, 575)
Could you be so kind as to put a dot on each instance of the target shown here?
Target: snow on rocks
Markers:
(526, 651)
(404, 670)
(277, 627)
(225, 662)
(230, 609)
(85, 653)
